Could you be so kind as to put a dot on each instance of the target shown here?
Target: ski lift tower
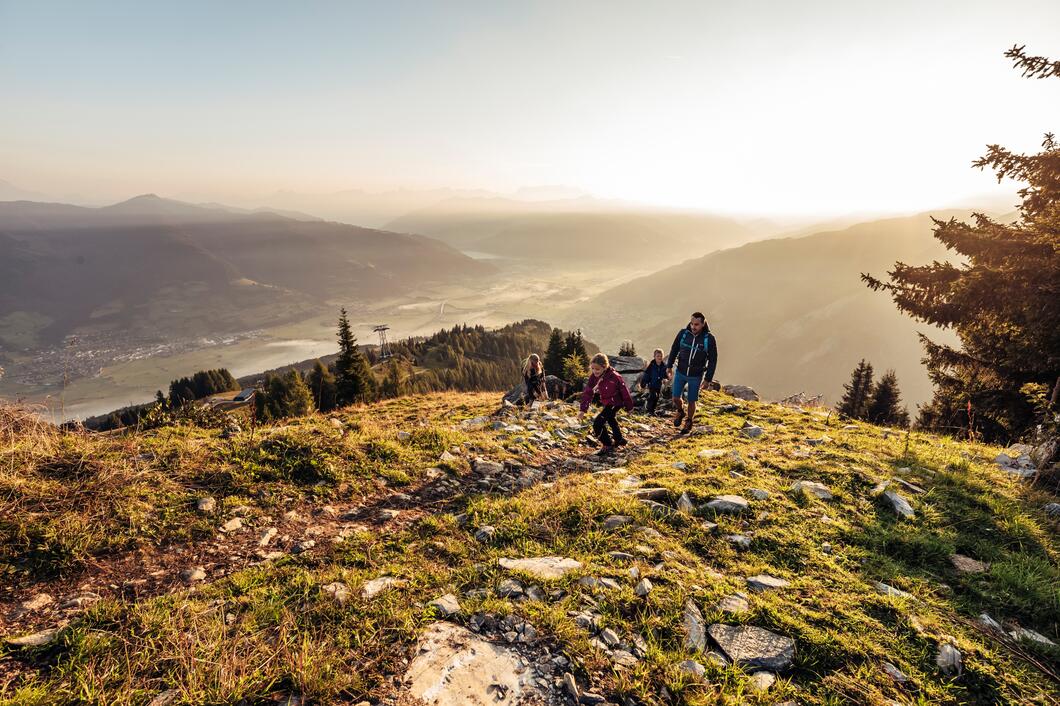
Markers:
(384, 345)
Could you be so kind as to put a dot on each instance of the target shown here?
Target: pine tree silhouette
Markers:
(354, 381)
(858, 391)
(883, 407)
(1002, 298)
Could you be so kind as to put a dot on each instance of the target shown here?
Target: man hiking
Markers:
(696, 354)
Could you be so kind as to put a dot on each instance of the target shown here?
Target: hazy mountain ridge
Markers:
(790, 314)
(142, 261)
(585, 228)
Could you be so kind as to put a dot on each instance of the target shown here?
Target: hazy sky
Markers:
(811, 106)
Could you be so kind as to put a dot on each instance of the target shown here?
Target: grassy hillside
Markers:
(463, 358)
(790, 314)
(319, 544)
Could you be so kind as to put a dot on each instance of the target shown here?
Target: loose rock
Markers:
(728, 504)
(616, 521)
(735, 603)
(765, 582)
(31, 604)
(762, 681)
(886, 590)
(820, 490)
(695, 628)
(752, 647)
(1031, 635)
(949, 659)
(446, 605)
(338, 591)
(455, 667)
(741, 392)
(692, 667)
(546, 568)
(266, 536)
(895, 673)
(37, 639)
(899, 504)
(193, 575)
(509, 588)
(968, 565)
(380, 585)
(751, 431)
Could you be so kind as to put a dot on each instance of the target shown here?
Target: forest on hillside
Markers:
(470, 358)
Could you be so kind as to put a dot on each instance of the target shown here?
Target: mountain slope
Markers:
(588, 230)
(155, 266)
(194, 565)
(790, 314)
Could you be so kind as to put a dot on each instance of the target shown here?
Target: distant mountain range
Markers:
(790, 314)
(582, 228)
(157, 266)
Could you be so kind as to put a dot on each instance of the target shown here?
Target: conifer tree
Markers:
(627, 348)
(575, 345)
(392, 385)
(854, 404)
(574, 371)
(354, 381)
(1002, 298)
(283, 396)
(321, 383)
(553, 362)
(883, 406)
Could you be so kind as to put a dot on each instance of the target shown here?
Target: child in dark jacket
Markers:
(614, 395)
(653, 378)
(534, 377)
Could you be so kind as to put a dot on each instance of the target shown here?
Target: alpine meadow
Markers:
(529, 354)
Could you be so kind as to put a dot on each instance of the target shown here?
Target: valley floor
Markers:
(379, 555)
(105, 371)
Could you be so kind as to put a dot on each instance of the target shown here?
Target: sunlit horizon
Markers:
(764, 110)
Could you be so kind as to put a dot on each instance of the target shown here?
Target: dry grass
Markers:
(272, 628)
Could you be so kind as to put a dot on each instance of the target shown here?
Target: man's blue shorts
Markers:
(693, 382)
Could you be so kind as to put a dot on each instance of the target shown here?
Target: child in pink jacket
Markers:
(614, 395)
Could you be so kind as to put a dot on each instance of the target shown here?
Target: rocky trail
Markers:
(681, 569)
(248, 535)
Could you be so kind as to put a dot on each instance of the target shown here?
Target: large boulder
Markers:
(627, 363)
(630, 368)
(1042, 457)
(557, 390)
(632, 381)
(741, 392)
(455, 667)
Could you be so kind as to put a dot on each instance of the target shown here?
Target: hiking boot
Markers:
(679, 418)
(606, 450)
(686, 428)
(621, 442)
